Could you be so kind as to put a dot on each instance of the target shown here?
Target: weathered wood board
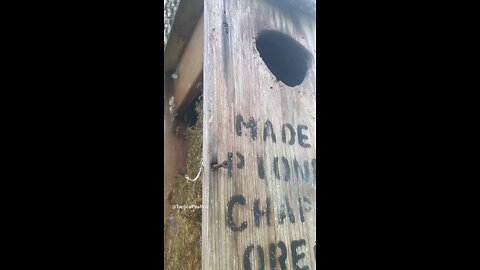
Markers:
(261, 208)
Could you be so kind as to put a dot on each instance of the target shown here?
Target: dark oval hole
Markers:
(284, 57)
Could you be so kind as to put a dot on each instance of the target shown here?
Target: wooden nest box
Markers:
(255, 62)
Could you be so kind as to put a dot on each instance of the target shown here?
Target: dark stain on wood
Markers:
(225, 42)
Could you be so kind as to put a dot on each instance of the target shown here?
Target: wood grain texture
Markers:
(237, 82)
(189, 69)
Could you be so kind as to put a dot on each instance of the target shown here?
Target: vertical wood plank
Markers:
(238, 83)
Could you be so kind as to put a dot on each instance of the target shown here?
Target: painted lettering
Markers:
(296, 257)
(260, 167)
(282, 259)
(287, 168)
(298, 169)
(302, 137)
(268, 130)
(284, 210)
(247, 254)
(251, 124)
(274, 256)
(292, 134)
(230, 223)
(288, 131)
(258, 213)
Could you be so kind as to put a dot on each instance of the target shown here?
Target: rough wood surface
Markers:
(238, 83)
(308, 7)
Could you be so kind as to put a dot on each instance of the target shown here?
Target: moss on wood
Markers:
(183, 233)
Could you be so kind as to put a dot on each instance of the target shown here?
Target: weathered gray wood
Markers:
(237, 82)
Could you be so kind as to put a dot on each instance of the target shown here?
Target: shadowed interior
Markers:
(284, 57)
